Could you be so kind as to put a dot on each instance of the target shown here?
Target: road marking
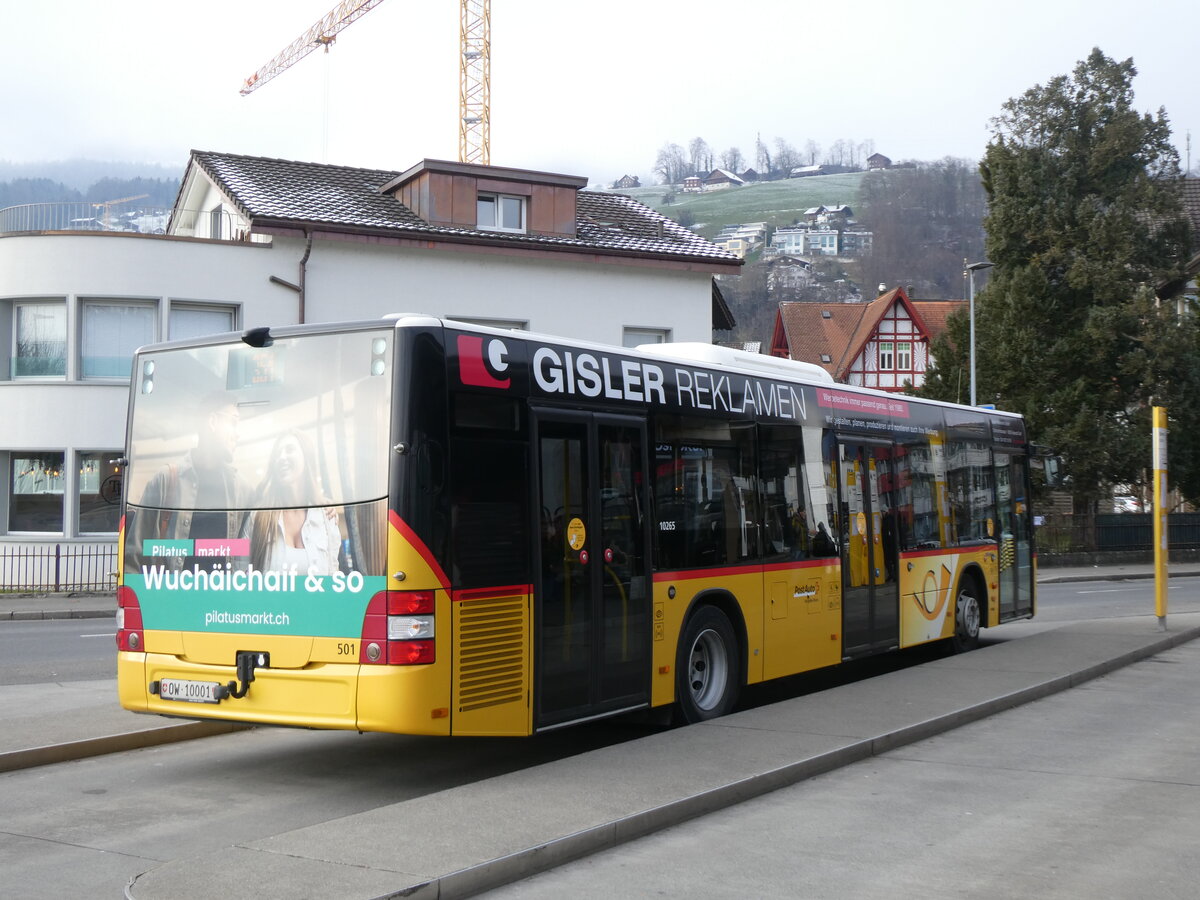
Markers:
(106, 634)
(1110, 591)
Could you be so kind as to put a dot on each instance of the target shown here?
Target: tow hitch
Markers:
(247, 662)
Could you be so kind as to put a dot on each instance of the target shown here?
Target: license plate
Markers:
(188, 691)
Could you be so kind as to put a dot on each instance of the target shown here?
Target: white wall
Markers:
(593, 301)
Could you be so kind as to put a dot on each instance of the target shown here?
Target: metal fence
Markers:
(129, 218)
(58, 567)
(1115, 532)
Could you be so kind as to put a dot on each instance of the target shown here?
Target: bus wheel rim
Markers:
(969, 616)
(708, 669)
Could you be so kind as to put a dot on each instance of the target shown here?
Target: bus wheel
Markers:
(707, 679)
(966, 621)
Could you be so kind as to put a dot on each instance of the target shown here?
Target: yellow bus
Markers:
(421, 526)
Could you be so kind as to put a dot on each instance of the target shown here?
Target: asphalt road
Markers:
(38, 651)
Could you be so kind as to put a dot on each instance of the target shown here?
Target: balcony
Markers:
(75, 216)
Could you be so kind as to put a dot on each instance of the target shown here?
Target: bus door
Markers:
(870, 547)
(592, 597)
(1016, 548)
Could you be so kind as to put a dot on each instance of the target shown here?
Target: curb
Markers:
(32, 615)
(115, 743)
(1110, 576)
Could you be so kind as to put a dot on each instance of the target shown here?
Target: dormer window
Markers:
(501, 212)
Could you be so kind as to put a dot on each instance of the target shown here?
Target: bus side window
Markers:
(706, 493)
(787, 533)
(970, 490)
(489, 483)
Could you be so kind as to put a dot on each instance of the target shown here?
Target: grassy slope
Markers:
(775, 202)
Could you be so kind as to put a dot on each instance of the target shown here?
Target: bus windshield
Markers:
(311, 413)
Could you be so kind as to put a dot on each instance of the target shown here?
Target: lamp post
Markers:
(971, 270)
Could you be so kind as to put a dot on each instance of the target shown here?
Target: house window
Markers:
(631, 337)
(216, 217)
(506, 324)
(501, 212)
(200, 321)
(99, 492)
(36, 502)
(111, 332)
(903, 356)
(40, 340)
(886, 359)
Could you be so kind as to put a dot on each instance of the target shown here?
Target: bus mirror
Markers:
(1052, 466)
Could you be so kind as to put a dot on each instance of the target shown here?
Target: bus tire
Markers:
(967, 616)
(707, 666)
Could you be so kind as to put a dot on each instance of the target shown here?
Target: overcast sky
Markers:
(592, 89)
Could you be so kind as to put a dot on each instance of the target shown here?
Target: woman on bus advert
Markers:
(289, 533)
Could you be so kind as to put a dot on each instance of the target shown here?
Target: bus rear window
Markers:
(308, 413)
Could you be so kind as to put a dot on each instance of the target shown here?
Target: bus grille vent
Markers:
(491, 652)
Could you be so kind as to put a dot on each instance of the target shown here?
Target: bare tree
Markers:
(836, 155)
(732, 161)
(670, 164)
(762, 157)
(786, 157)
(701, 155)
(812, 150)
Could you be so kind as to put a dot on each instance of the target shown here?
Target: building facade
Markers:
(882, 344)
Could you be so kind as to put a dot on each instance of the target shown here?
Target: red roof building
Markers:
(883, 344)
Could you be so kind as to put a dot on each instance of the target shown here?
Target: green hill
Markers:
(775, 202)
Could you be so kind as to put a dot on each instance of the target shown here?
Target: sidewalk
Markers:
(28, 607)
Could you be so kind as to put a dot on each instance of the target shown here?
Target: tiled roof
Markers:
(1189, 195)
(285, 191)
(831, 335)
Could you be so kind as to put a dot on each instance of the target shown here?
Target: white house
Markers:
(255, 241)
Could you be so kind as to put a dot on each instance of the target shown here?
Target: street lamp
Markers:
(971, 270)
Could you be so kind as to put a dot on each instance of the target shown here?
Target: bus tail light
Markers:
(398, 629)
(129, 621)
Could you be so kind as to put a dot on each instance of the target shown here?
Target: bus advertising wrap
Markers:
(213, 585)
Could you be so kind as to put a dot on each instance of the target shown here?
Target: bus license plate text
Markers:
(188, 691)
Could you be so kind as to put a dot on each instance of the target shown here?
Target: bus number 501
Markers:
(345, 649)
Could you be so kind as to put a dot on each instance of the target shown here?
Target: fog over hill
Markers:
(80, 174)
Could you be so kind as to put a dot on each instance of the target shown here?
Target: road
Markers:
(79, 828)
(38, 651)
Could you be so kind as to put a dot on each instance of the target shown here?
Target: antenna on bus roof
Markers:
(258, 337)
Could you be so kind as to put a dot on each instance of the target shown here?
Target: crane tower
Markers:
(475, 82)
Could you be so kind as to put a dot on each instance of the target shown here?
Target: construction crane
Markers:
(107, 205)
(475, 82)
(322, 34)
(475, 42)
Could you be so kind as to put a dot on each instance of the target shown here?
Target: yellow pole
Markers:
(1160, 516)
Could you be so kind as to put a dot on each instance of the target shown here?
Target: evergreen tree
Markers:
(1083, 220)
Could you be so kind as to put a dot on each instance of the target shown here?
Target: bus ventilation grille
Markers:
(491, 652)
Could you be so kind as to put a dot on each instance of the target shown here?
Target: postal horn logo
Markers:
(482, 361)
